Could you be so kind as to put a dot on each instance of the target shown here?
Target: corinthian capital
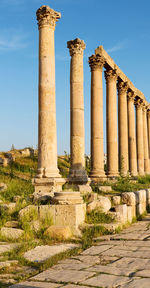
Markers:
(122, 87)
(110, 75)
(139, 103)
(47, 17)
(96, 62)
(131, 96)
(76, 46)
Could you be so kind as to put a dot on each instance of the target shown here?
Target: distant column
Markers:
(145, 137)
(96, 63)
(77, 171)
(47, 142)
(132, 135)
(111, 118)
(123, 127)
(148, 123)
(139, 136)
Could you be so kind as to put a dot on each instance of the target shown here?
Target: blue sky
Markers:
(122, 27)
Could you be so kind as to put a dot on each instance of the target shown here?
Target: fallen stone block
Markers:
(58, 232)
(104, 188)
(103, 204)
(122, 209)
(84, 189)
(11, 233)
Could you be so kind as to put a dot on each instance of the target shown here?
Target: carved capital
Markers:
(47, 17)
(110, 75)
(144, 107)
(148, 113)
(76, 46)
(139, 103)
(122, 87)
(131, 96)
(96, 62)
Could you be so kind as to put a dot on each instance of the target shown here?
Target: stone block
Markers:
(104, 188)
(140, 196)
(140, 201)
(92, 197)
(147, 197)
(9, 208)
(11, 233)
(84, 189)
(65, 215)
(129, 214)
(122, 209)
(58, 232)
(48, 184)
(103, 204)
(116, 200)
(129, 198)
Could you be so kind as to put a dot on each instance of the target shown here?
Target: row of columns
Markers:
(133, 146)
(133, 151)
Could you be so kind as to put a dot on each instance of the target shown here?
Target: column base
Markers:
(47, 173)
(68, 197)
(112, 174)
(48, 184)
(97, 176)
(78, 176)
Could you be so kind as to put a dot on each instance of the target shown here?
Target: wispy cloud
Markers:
(12, 40)
(119, 46)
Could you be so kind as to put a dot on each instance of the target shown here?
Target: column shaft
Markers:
(47, 143)
(123, 128)
(132, 135)
(112, 139)
(139, 137)
(77, 170)
(97, 150)
(145, 137)
(148, 125)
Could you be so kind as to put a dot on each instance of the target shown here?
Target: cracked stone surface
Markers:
(121, 261)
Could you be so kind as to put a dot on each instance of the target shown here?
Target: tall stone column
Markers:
(132, 135)
(148, 123)
(111, 118)
(96, 63)
(77, 171)
(139, 136)
(145, 137)
(123, 127)
(47, 143)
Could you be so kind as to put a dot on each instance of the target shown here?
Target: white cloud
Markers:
(12, 41)
(119, 46)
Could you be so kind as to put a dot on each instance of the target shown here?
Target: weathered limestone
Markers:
(147, 197)
(122, 209)
(140, 201)
(77, 172)
(123, 127)
(111, 101)
(131, 135)
(139, 136)
(96, 63)
(47, 143)
(148, 123)
(129, 199)
(145, 137)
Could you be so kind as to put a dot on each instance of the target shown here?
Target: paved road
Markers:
(122, 260)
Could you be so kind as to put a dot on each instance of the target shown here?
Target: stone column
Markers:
(77, 172)
(139, 136)
(111, 118)
(96, 63)
(47, 143)
(132, 135)
(148, 124)
(145, 137)
(123, 128)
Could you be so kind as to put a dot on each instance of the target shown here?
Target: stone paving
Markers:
(121, 260)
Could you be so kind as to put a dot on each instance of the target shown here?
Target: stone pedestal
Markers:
(111, 118)
(123, 128)
(131, 135)
(67, 197)
(139, 136)
(47, 143)
(97, 150)
(145, 137)
(77, 172)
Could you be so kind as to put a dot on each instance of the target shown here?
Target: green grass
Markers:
(91, 232)
(95, 217)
